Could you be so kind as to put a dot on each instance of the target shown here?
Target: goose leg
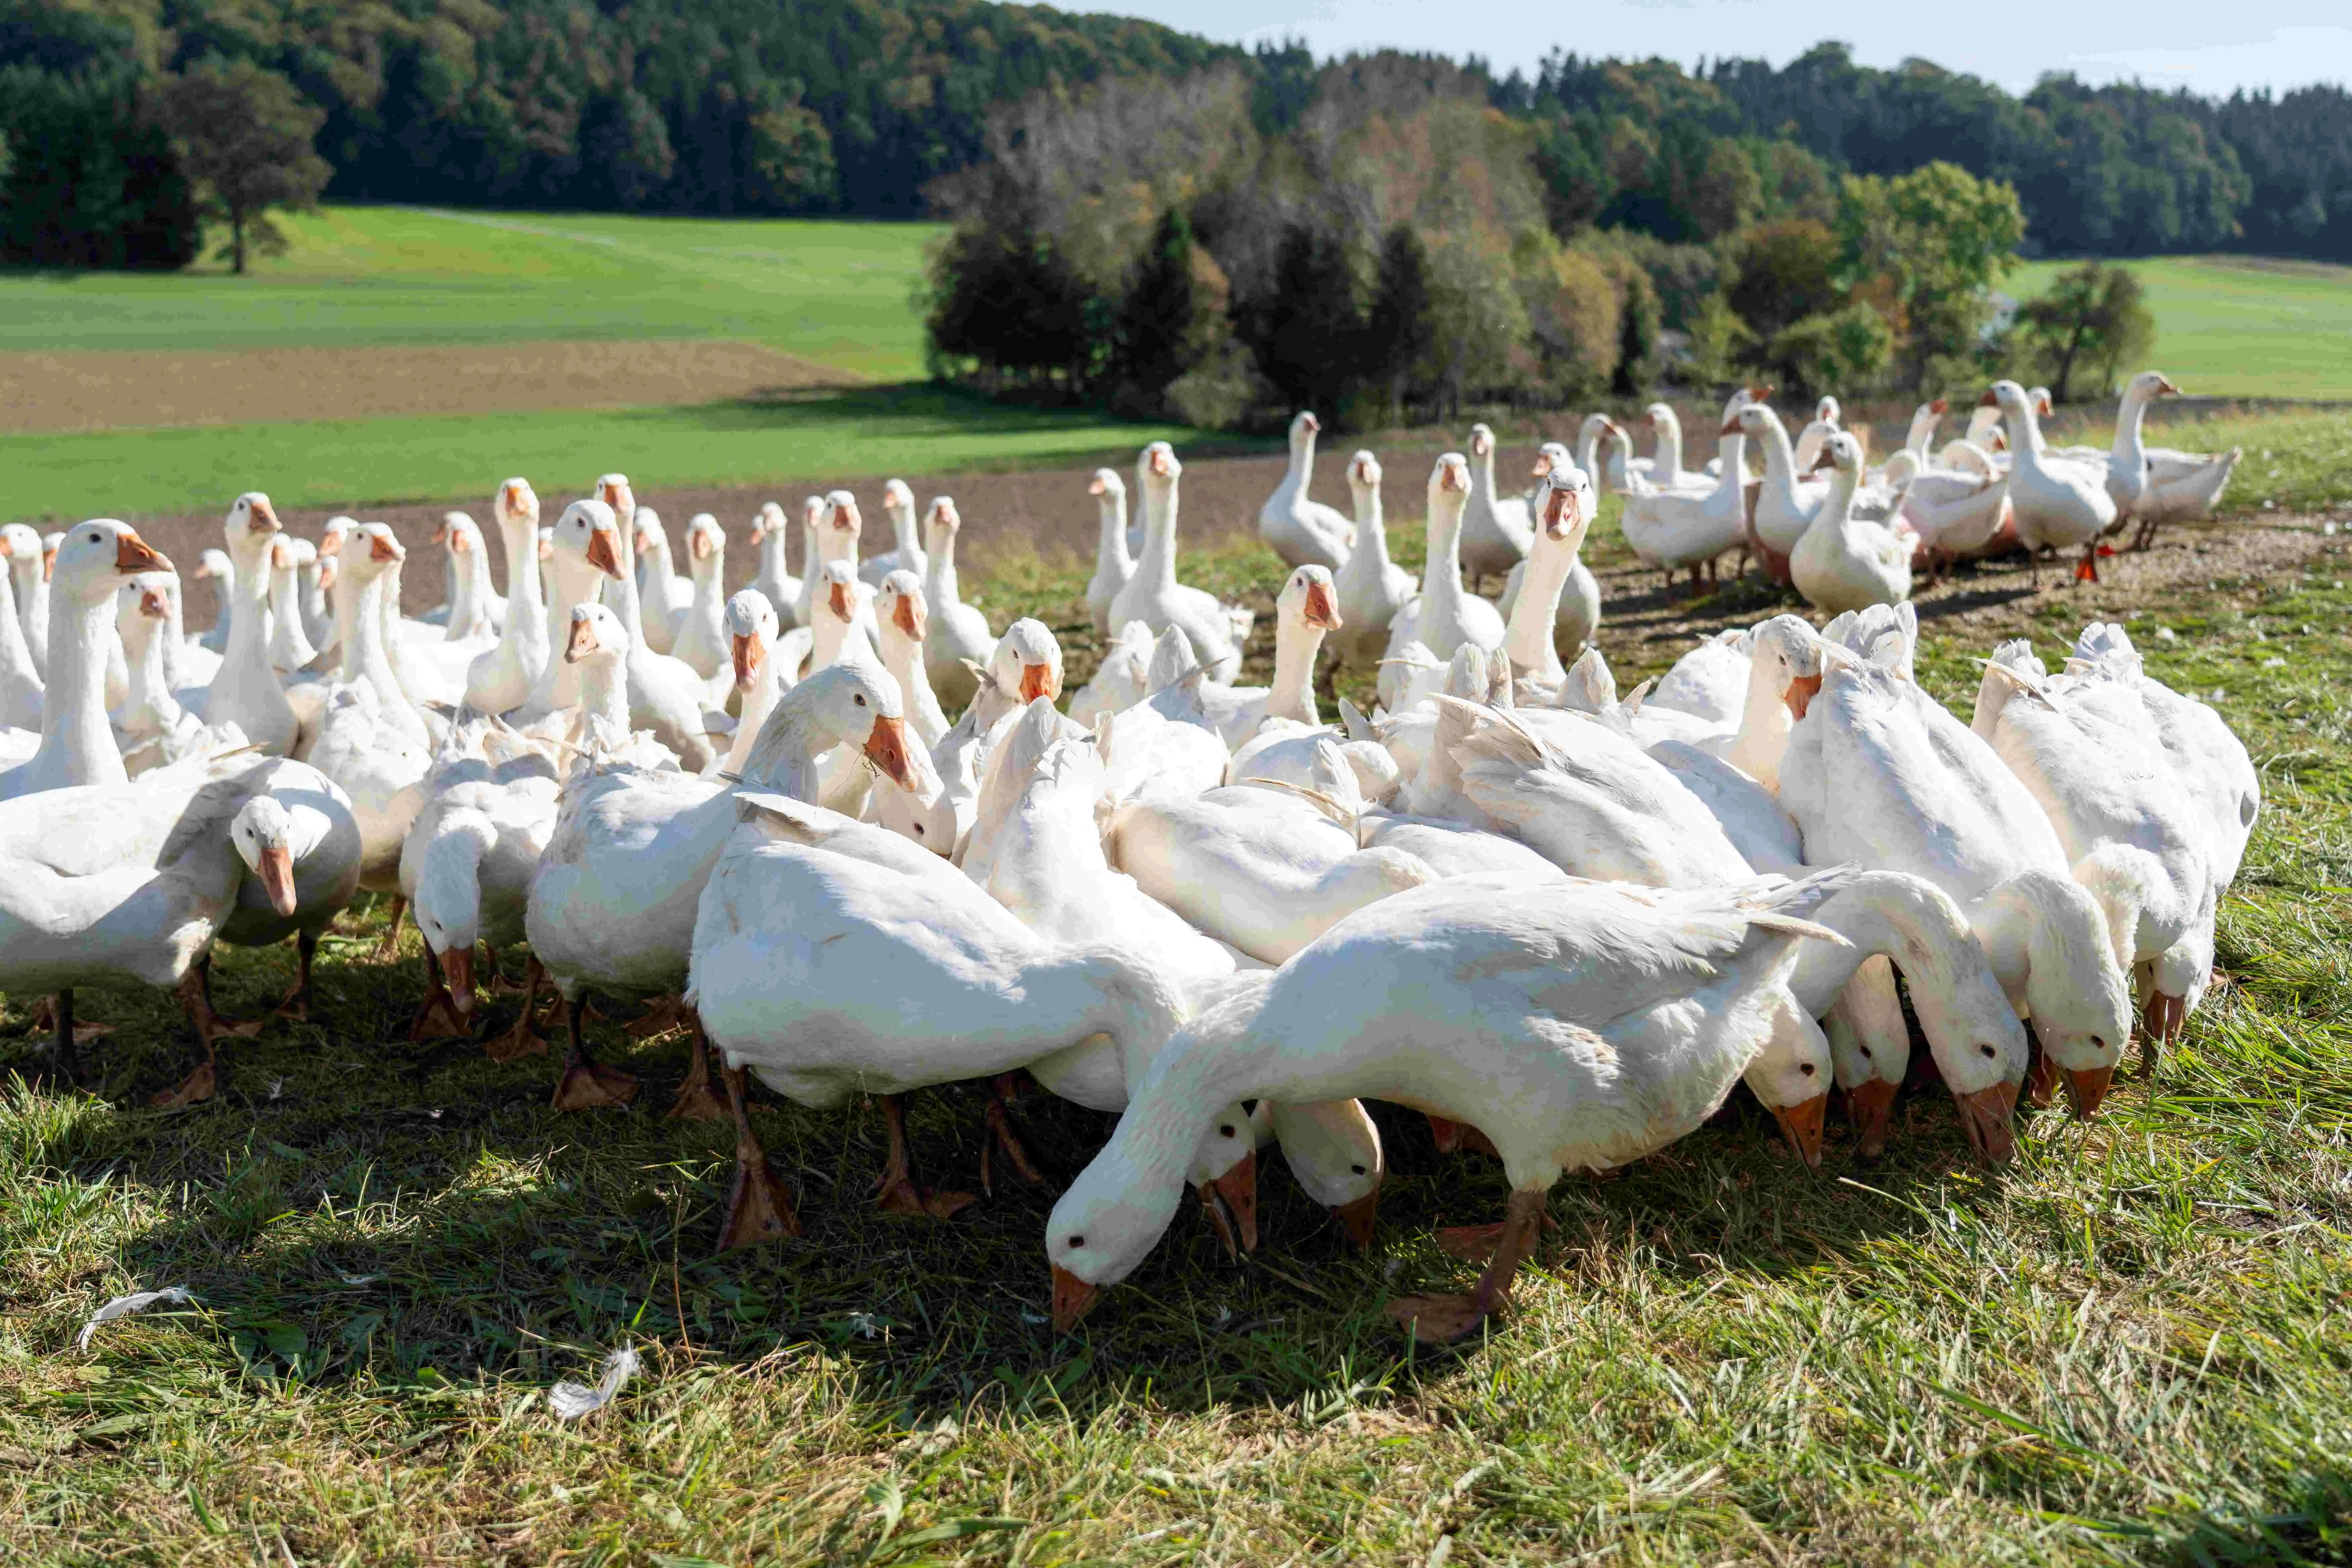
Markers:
(1454, 1137)
(390, 942)
(896, 1190)
(2086, 570)
(758, 1208)
(297, 1005)
(61, 1035)
(201, 1084)
(524, 1039)
(1443, 1319)
(665, 1014)
(588, 1085)
(1003, 1135)
(697, 1101)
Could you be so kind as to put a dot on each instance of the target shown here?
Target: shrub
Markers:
(1836, 351)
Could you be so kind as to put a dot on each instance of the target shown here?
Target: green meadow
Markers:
(2240, 326)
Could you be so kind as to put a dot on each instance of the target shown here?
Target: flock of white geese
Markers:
(1562, 924)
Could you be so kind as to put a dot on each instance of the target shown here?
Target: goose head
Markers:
(614, 490)
(1363, 476)
(49, 543)
(589, 530)
(1568, 505)
(21, 546)
(858, 704)
(1841, 451)
(1449, 493)
(1160, 469)
(814, 510)
(1742, 397)
(1550, 456)
(263, 832)
(940, 523)
(842, 516)
(705, 541)
(2150, 384)
(1333, 1149)
(596, 635)
(1482, 443)
(2077, 994)
(1304, 427)
(1659, 416)
(751, 626)
(2040, 397)
(1791, 1076)
(515, 504)
(331, 534)
(212, 565)
(1310, 599)
(94, 557)
(898, 505)
(2006, 397)
(768, 520)
(464, 537)
(1107, 486)
(1788, 661)
(448, 903)
(1827, 411)
(898, 604)
(546, 540)
(647, 537)
(252, 522)
(837, 591)
(375, 549)
(142, 606)
(1027, 662)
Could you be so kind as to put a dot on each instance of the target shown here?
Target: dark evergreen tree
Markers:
(1402, 329)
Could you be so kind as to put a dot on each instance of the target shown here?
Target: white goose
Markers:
(766, 662)
(1565, 511)
(467, 870)
(700, 640)
(1844, 561)
(214, 566)
(958, 631)
(771, 530)
(2157, 485)
(1306, 609)
(30, 563)
(1113, 562)
(1448, 615)
(474, 610)
(832, 524)
(1121, 680)
(908, 555)
(903, 620)
(1154, 597)
(247, 692)
(290, 644)
(667, 695)
(371, 741)
(1575, 1025)
(1785, 503)
(1497, 530)
(151, 726)
(1301, 531)
(1817, 431)
(664, 593)
(1374, 590)
(77, 745)
(2060, 504)
(503, 677)
(21, 685)
(1577, 614)
(1876, 773)
(577, 561)
(1684, 525)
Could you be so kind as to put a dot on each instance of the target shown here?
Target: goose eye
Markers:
(1988, 1050)
(918, 830)
(2099, 1042)
(1863, 1049)
(859, 700)
(1807, 1068)
(1226, 1130)
(1078, 1241)
(96, 539)
(1358, 1169)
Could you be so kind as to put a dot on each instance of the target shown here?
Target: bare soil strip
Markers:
(60, 392)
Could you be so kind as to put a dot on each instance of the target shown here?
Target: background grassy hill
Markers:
(2240, 326)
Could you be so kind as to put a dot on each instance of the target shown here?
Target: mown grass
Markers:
(837, 293)
(2240, 326)
(855, 433)
(2132, 1344)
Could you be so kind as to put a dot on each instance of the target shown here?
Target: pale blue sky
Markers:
(2207, 48)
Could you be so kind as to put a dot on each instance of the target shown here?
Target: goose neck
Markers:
(520, 537)
(1295, 647)
(1765, 724)
(1904, 918)
(148, 707)
(1444, 566)
(783, 756)
(249, 613)
(940, 585)
(1112, 545)
(1732, 450)
(2130, 443)
(605, 698)
(1666, 460)
(1528, 640)
(1779, 457)
(1158, 562)
(17, 668)
(621, 591)
(75, 736)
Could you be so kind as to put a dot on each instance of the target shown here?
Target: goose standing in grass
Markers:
(30, 567)
(1675, 526)
(1496, 530)
(1305, 611)
(1844, 561)
(1113, 564)
(502, 678)
(1300, 529)
(771, 531)
(1448, 615)
(577, 564)
(1785, 502)
(1154, 597)
(21, 686)
(700, 642)
(2060, 504)
(1564, 511)
(466, 869)
(958, 631)
(77, 745)
(1576, 1027)
(1372, 589)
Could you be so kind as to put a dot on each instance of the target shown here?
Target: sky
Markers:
(2210, 49)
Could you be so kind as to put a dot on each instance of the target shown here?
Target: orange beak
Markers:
(49, 563)
(641, 541)
(1232, 1202)
(885, 748)
(1453, 476)
(326, 573)
(1073, 1299)
(332, 545)
(384, 548)
(1321, 612)
(1095, 489)
(2087, 1089)
(264, 518)
(1562, 512)
(1987, 400)
(845, 519)
(603, 554)
(460, 542)
(838, 596)
(1984, 1117)
(1939, 406)
(457, 970)
(277, 879)
(2165, 388)
(441, 534)
(153, 605)
(132, 553)
(1542, 469)
(1311, 422)
(699, 545)
(1359, 1218)
(1802, 692)
(911, 618)
(750, 653)
(581, 642)
(1823, 461)
(1871, 1106)
(2042, 406)
(1802, 1124)
(1159, 464)
(1037, 680)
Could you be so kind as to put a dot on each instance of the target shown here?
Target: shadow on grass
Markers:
(354, 1208)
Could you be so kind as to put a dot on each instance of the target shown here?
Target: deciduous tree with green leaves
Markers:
(1932, 243)
(245, 137)
(2095, 314)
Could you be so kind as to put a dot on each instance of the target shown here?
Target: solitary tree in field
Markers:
(245, 136)
(2095, 314)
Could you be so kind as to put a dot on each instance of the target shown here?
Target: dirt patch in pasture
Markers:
(60, 392)
(1644, 629)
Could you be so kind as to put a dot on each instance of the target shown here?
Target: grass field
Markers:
(2233, 326)
(2132, 1344)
